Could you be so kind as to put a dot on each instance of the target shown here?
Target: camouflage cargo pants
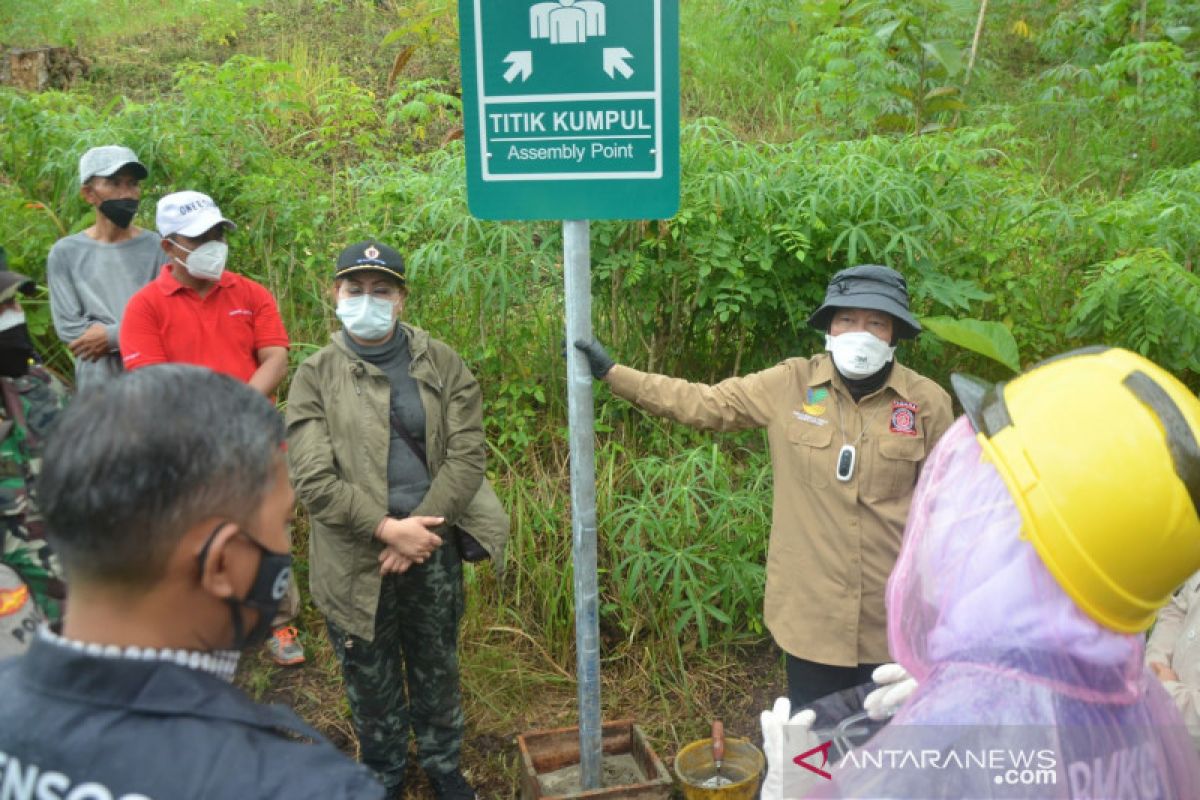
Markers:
(26, 551)
(408, 676)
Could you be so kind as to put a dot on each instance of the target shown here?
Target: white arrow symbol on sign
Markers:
(614, 59)
(522, 64)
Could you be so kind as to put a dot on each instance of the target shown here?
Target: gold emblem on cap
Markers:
(371, 252)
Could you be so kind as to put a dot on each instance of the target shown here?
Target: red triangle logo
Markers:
(823, 749)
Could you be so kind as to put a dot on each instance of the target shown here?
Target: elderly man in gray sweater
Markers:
(93, 273)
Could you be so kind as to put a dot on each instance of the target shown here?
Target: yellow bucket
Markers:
(743, 764)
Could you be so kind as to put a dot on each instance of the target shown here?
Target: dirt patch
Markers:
(37, 69)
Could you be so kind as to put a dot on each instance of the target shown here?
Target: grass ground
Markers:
(512, 685)
(525, 694)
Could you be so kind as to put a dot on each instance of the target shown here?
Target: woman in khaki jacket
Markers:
(385, 443)
(848, 433)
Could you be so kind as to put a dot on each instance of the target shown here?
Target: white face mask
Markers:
(369, 318)
(207, 261)
(11, 318)
(858, 354)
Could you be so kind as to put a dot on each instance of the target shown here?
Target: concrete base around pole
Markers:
(548, 758)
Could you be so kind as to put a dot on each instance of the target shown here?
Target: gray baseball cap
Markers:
(868, 286)
(107, 161)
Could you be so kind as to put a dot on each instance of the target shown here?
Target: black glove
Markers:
(599, 361)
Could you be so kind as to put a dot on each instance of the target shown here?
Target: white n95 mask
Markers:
(206, 262)
(858, 354)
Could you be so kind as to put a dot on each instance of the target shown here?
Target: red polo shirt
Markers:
(224, 330)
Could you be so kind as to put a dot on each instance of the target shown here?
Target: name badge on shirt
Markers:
(809, 418)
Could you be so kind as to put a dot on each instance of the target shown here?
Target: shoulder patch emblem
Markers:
(904, 418)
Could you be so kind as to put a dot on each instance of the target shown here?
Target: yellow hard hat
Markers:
(1098, 448)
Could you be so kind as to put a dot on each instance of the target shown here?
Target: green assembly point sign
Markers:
(571, 108)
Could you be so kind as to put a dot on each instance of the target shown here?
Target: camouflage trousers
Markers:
(31, 558)
(408, 676)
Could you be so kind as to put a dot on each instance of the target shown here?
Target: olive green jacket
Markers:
(339, 430)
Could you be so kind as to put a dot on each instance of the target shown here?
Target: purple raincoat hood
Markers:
(998, 647)
(969, 589)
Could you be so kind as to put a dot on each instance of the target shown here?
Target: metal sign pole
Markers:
(580, 416)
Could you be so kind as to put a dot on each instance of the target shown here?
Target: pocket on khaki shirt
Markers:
(895, 471)
(813, 453)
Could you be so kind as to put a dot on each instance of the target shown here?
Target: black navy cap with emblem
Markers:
(370, 256)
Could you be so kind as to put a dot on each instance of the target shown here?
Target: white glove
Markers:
(783, 739)
(895, 687)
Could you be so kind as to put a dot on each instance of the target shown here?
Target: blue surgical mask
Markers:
(369, 318)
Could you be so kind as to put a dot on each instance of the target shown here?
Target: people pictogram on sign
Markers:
(566, 21)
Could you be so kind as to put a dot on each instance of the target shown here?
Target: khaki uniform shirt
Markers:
(1175, 642)
(833, 543)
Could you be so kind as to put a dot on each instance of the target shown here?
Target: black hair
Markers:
(133, 464)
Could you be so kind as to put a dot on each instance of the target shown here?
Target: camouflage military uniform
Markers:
(416, 634)
(23, 428)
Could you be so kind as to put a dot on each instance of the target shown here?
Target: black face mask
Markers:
(15, 351)
(266, 593)
(119, 212)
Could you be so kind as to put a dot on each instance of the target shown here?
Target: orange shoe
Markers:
(284, 648)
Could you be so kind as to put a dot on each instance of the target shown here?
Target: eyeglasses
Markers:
(383, 291)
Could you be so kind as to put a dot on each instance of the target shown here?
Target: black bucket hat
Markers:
(868, 286)
(13, 282)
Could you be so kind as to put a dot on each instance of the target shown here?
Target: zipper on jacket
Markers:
(423, 356)
(357, 370)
